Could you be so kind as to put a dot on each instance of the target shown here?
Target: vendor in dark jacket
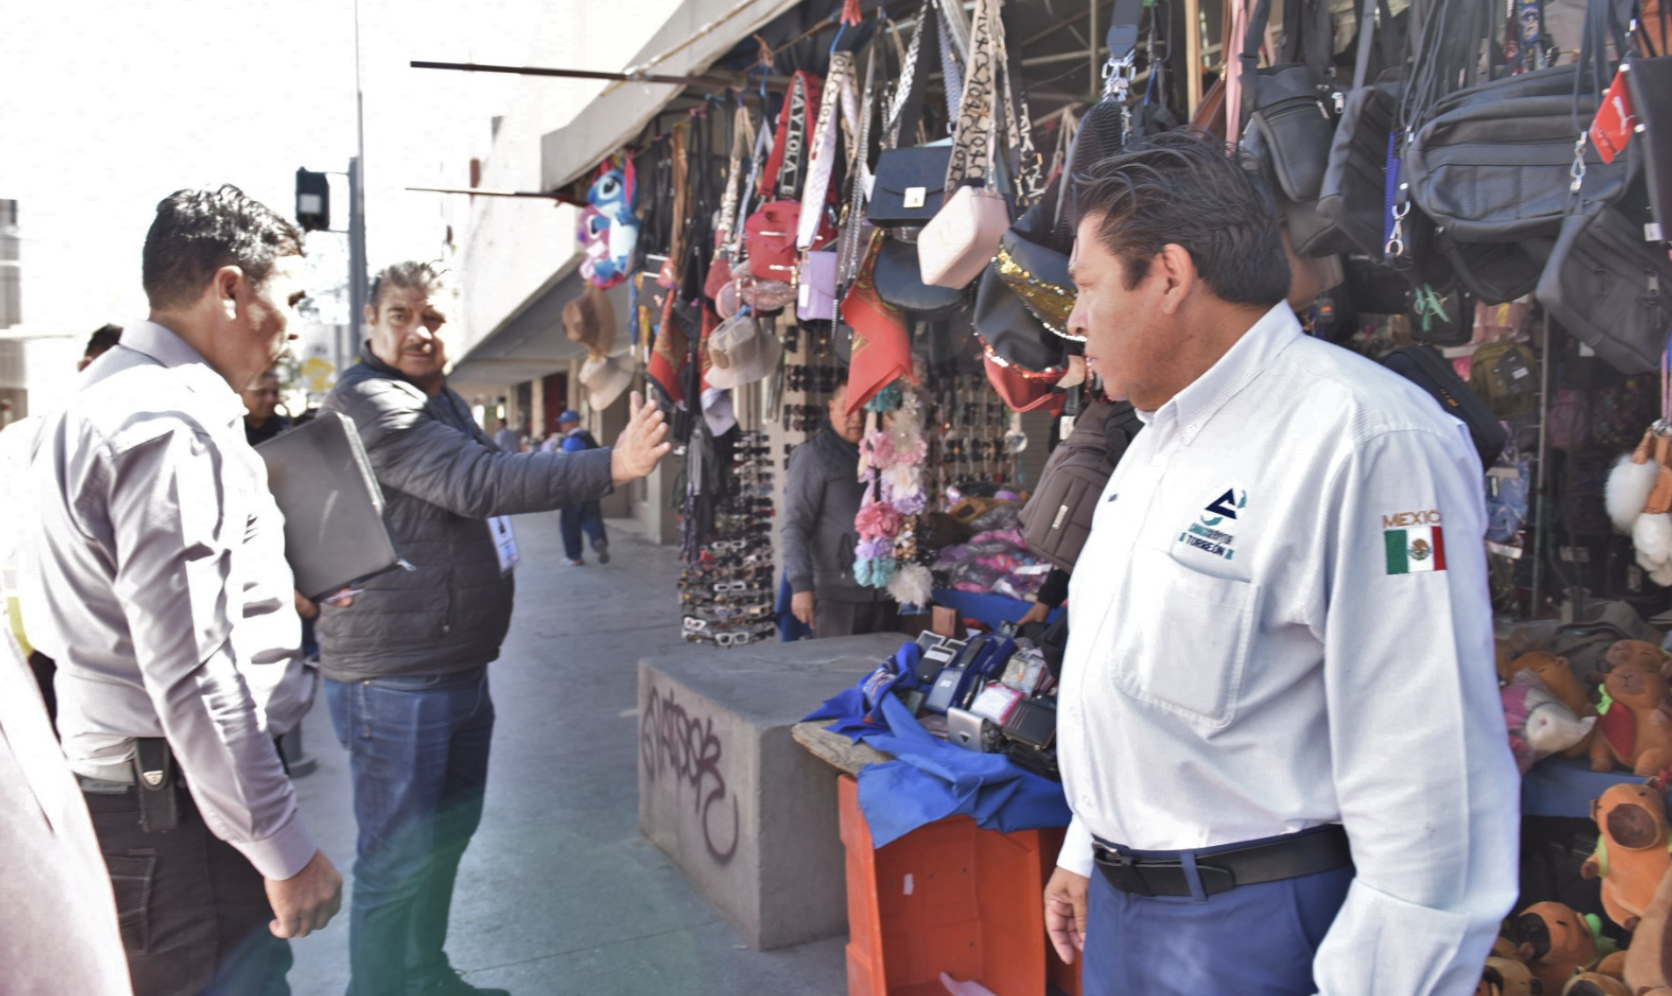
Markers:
(406, 657)
(821, 498)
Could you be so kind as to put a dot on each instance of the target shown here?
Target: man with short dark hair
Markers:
(159, 584)
(406, 660)
(1279, 725)
(262, 420)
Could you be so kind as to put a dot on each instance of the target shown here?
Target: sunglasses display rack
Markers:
(726, 590)
(971, 443)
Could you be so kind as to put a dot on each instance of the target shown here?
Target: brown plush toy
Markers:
(1639, 652)
(1632, 853)
(1559, 678)
(1649, 959)
(1595, 984)
(1505, 977)
(1636, 730)
(1556, 943)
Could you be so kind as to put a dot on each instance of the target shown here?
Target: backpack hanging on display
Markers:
(1057, 519)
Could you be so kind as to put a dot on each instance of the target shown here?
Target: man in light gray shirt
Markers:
(158, 582)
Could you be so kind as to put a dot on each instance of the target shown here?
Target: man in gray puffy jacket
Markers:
(822, 496)
(406, 657)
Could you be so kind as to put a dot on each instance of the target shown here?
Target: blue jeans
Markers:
(418, 751)
(572, 519)
(1257, 940)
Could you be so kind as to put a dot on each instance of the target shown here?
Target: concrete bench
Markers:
(747, 814)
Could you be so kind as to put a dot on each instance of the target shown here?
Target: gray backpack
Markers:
(1057, 518)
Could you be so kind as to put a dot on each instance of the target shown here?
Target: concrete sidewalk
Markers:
(559, 894)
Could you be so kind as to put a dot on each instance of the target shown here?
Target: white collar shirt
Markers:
(158, 583)
(1280, 620)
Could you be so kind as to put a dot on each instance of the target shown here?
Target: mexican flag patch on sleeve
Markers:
(1415, 550)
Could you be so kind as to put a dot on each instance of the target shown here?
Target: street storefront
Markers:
(878, 202)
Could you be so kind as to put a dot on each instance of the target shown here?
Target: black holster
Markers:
(158, 782)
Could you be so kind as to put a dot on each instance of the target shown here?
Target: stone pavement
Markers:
(559, 894)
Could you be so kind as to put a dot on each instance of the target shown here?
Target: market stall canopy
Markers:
(697, 34)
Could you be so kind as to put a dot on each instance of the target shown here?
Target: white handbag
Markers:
(963, 236)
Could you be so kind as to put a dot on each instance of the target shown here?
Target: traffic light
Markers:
(313, 201)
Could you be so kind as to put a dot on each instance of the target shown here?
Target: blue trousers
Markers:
(585, 516)
(418, 756)
(1254, 940)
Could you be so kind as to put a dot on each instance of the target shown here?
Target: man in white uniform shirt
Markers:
(159, 585)
(1279, 724)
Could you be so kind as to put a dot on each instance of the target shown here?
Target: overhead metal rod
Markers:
(718, 81)
(532, 194)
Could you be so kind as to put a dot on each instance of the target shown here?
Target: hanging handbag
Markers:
(1495, 162)
(1609, 288)
(910, 181)
(816, 290)
(1353, 191)
(881, 343)
(1057, 518)
(1650, 84)
(1291, 115)
(1010, 332)
(959, 242)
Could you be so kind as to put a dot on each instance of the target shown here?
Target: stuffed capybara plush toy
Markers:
(1635, 731)
(1555, 942)
(1595, 984)
(1559, 678)
(1631, 856)
(1639, 652)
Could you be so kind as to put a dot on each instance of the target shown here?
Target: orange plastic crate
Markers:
(948, 897)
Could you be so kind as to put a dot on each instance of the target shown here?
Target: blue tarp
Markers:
(930, 779)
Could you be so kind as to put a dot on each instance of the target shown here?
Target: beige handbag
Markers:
(962, 237)
(960, 240)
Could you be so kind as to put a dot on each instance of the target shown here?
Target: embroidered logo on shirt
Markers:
(1225, 507)
(1417, 550)
(1206, 535)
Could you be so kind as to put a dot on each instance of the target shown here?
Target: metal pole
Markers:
(1193, 54)
(357, 207)
(356, 260)
(1540, 512)
(1096, 83)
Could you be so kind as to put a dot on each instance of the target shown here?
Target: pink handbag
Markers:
(962, 237)
(816, 292)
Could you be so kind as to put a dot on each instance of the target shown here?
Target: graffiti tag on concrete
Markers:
(673, 742)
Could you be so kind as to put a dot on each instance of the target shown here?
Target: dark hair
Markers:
(104, 337)
(1181, 188)
(425, 278)
(196, 232)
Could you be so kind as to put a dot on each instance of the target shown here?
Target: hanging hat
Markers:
(742, 351)
(590, 321)
(604, 378)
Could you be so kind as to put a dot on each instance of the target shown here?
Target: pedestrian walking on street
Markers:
(580, 517)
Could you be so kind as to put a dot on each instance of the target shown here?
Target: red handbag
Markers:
(881, 341)
(769, 240)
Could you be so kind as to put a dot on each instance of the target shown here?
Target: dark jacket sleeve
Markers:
(414, 450)
(803, 505)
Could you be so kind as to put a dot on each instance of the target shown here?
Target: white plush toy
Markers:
(1639, 500)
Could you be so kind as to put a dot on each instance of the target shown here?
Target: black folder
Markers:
(334, 534)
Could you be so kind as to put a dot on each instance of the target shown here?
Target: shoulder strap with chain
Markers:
(782, 176)
(822, 158)
(743, 140)
(1019, 127)
(848, 249)
(905, 112)
(974, 139)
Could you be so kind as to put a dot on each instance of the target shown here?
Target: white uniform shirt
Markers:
(158, 583)
(1281, 620)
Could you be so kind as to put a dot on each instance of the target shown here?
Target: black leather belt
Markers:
(1305, 853)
